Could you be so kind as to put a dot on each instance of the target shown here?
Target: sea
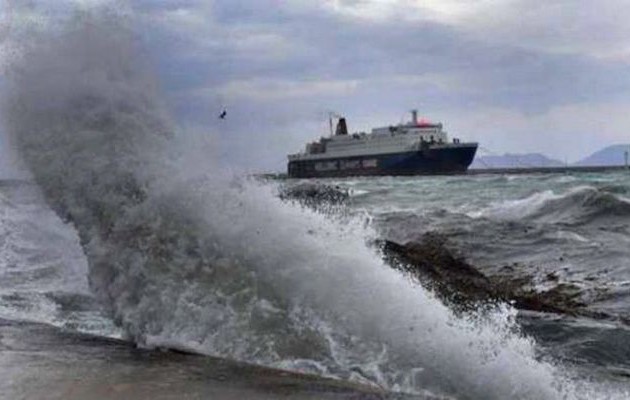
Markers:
(134, 266)
(392, 334)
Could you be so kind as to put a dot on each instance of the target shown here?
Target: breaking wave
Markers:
(185, 257)
(581, 205)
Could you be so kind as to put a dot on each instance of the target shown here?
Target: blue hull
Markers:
(453, 159)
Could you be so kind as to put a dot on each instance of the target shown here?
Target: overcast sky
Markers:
(549, 76)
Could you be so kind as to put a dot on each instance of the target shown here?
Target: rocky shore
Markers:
(464, 286)
(436, 266)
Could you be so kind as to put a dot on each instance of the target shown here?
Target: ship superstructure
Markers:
(417, 147)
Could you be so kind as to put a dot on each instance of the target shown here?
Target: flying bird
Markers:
(223, 114)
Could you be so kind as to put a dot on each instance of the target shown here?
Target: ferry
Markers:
(417, 147)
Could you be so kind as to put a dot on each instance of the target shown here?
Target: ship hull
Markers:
(438, 160)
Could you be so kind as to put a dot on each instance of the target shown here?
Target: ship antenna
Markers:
(330, 117)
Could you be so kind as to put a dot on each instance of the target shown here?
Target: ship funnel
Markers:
(342, 128)
(414, 117)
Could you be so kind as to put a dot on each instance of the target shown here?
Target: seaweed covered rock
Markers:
(439, 269)
(463, 286)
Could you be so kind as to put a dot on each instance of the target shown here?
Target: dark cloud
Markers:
(321, 45)
(205, 48)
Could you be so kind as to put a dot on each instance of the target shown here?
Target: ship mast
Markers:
(330, 123)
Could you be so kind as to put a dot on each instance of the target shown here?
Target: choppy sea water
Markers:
(570, 225)
(574, 227)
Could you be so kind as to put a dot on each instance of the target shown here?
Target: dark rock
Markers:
(314, 195)
(437, 268)
(552, 276)
(463, 286)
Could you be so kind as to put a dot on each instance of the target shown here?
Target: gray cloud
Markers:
(259, 40)
(279, 65)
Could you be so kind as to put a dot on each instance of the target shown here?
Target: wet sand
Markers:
(42, 362)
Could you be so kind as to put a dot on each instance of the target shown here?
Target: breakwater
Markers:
(548, 170)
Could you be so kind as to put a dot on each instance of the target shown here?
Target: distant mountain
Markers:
(611, 155)
(515, 161)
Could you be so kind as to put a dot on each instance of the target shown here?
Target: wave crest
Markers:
(581, 205)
